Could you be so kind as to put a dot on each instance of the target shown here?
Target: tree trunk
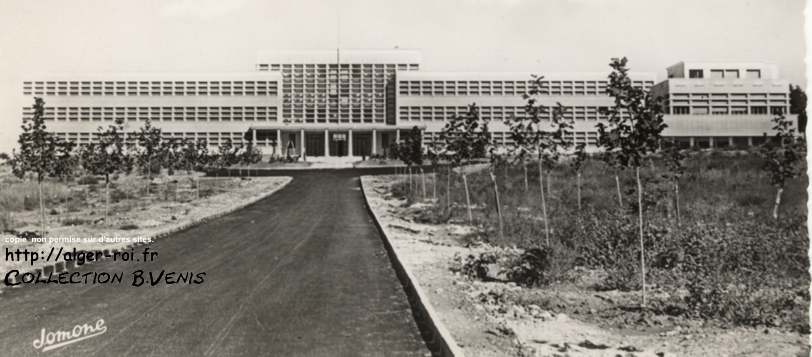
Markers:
(41, 210)
(642, 246)
(448, 188)
(149, 175)
(467, 198)
(619, 196)
(777, 201)
(526, 183)
(106, 199)
(434, 186)
(676, 200)
(544, 203)
(506, 174)
(578, 183)
(423, 181)
(498, 205)
(410, 180)
(197, 184)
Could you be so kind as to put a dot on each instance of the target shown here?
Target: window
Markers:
(695, 73)
(777, 110)
(758, 110)
(717, 73)
(720, 110)
(754, 73)
(738, 110)
(699, 110)
(681, 110)
(731, 73)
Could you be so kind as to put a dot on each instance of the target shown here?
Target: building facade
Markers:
(358, 102)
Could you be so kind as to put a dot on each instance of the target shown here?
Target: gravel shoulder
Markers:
(502, 319)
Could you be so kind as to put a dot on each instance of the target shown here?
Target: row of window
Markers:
(504, 138)
(149, 88)
(212, 138)
(157, 113)
(335, 115)
(724, 110)
(471, 87)
(497, 113)
(725, 73)
(304, 67)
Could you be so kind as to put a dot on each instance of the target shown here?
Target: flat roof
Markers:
(578, 76)
(154, 76)
(341, 55)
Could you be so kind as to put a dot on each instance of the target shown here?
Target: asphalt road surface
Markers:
(301, 273)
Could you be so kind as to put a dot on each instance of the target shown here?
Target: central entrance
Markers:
(338, 144)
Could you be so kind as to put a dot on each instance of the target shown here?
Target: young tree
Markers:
(675, 162)
(108, 156)
(466, 138)
(496, 156)
(535, 133)
(578, 159)
(412, 152)
(522, 147)
(435, 152)
(40, 153)
(226, 155)
(633, 131)
(784, 155)
(611, 159)
(149, 149)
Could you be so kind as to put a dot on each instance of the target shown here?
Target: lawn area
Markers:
(726, 264)
(77, 208)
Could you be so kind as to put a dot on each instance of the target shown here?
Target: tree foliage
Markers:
(797, 105)
(784, 155)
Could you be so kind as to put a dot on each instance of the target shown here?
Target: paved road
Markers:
(303, 272)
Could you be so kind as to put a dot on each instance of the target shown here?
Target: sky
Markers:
(91, 36)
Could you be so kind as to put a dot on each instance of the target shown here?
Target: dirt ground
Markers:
(501, 319)
(136, 214)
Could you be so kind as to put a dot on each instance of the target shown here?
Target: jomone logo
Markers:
(50, 340)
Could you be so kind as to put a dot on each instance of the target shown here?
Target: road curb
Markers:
(432, 328)
(65, 266)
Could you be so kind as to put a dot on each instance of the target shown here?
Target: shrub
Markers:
(531, 268)
(476, 267)
(74, 221)
(88, 180)
(117, 195)
(128, 227)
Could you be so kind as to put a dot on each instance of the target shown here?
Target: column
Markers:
(691, 141)
(278, 149)
(302, 140)
(397, 135)
(422, 140)
(349, 142)
(749, 141)
(254, 136)
(730, 141)
(710, 142)
(326, 143)
(374, 142)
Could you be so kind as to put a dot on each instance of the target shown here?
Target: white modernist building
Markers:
(357, 102)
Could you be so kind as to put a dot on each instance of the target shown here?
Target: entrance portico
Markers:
(320, 141)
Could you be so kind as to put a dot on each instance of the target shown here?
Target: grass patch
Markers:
(738, 265)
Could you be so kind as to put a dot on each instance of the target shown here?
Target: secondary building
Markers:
(358, 102)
